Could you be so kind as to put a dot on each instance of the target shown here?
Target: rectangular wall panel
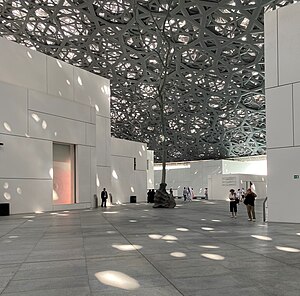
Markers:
(103, 180)
(283, 200)
(13, 109)
(25, 195)
(22, 66)
(103, 141)
(60, 78)
(296, 113)
(271, 50)
(279, 117)
(45, 103)
(56, 128)
(22, 157)
(90, 135)
(83, 174)
(92, 90)
(289, 44)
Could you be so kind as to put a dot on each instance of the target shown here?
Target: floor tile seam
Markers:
(141, 254)
(85, 258)
(12, 278)
(52, 278)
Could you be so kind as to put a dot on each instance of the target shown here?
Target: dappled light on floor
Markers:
(213, 256)
(126, 247)
(178, 254)
(207, 228)
(216, 220)
(111, 231)
(169, 237)
(132, 221)
(262, 237)
(182, 229)
(288, 249)
(111, 212)
(155, 236)
(117, 279)
(209, 247)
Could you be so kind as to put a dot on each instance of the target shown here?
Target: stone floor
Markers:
(194, 249)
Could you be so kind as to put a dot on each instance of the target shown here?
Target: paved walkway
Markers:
(194, 249)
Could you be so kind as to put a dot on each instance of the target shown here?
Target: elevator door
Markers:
(63, 174)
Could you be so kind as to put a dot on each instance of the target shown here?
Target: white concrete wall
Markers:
(126, 180)
(219, 185)
(43, 100)
(282, 49)
(196, 176)
(150, 169)
(241, 166)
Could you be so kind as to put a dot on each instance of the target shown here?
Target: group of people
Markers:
(248, 198)
(188, 194)
(150, 196)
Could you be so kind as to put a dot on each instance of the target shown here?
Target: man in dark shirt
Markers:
(103, 197)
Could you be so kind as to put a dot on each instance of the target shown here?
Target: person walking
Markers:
(184, 193)
(104, 196)
(206, 193)
(249, 202)
(232, 203)
(149, 196)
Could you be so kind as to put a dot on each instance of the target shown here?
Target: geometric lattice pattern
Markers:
(215, 106)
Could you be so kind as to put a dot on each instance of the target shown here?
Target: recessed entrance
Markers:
(63, 174)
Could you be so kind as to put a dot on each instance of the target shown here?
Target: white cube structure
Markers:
(282, 48)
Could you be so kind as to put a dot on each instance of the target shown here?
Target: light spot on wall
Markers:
(97, 180)
(79, 80)
(7, 126)
(143, 147)
(150, 181)
(5, 185)
(27, 136)
(55, 134)
(44, 124)
(19, 190)
(35, 117)
(132, 189)
(59, 64)
(59, 92)
(7, 196)
(54, 195)
(51, 173)
(29, 55)
(117, 279)
(114, 174)
(140, 153)
(97, 108)
(68, 82)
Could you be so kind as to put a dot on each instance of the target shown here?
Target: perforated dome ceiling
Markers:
(214, 101)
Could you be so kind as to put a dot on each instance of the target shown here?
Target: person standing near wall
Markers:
(249, 202)
(184, 193)
(103, 198)
(206, 193)
(232, 203)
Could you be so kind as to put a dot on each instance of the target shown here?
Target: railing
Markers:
(264, 209)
